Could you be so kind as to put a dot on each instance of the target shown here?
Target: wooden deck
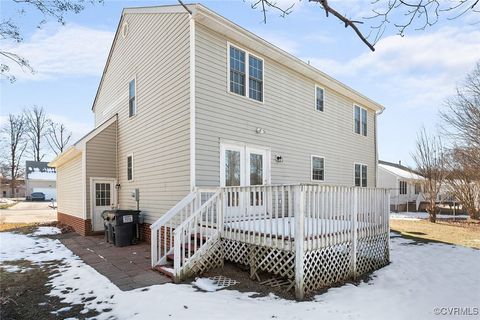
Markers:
(344, 232)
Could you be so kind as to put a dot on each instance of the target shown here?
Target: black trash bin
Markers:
(121, 226)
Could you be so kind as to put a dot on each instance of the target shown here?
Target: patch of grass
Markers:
(18, 227)
(6, 205)
(460, 233)
(24, 295)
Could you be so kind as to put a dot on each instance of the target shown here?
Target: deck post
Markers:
(299, 215)
(177, 256)
(354, 231)
(154, 246)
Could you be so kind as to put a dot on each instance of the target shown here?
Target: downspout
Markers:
(117, 172)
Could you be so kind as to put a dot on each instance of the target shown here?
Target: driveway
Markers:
(29, 212)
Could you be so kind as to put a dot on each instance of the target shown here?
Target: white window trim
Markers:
(311, 168)
(136, 97)
(247, 73)
(133, 165)
(315, 105)
(361, 164)
(366, 110)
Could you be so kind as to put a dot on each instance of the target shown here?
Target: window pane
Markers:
(237, 71)
(317, 168)
(357, 175)
(256, 169)
(364, 176)
(131, 98)
(319, 99)
(364, 122)
(255, 78)
(232, 168)
(129, 168)
(357, 119)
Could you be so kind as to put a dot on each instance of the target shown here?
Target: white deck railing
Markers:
(297, 219)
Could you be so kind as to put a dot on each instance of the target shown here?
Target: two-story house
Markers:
(190, 100)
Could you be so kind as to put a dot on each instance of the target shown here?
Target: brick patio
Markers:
(127, 267)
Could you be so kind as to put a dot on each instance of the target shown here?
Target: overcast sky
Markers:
(410, 75)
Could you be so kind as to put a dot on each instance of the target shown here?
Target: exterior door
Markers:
(103, 198)
(256, 175)
(244, 166)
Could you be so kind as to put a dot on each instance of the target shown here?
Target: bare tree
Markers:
(37, 123)
(10, 30)
(429, 158)
(463, 181)
(403, 14)
(14, 141)
(461, 123)
(57, 136)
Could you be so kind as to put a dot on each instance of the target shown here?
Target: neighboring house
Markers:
(404, 183)
(39, 177)
(192, 102)
(6, 188)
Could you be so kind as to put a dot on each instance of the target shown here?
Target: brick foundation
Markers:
(144, 230)
(81, 226)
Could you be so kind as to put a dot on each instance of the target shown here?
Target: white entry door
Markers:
(244, 166)
(103, 198)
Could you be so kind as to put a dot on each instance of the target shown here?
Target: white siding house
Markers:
(405, 185)
(196, 112)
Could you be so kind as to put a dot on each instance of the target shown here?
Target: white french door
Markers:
(244, 166)
(102, 198)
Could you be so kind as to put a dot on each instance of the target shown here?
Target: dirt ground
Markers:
(461, 232)
(23, 295)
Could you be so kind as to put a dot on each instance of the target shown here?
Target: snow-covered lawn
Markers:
(422, 215)
(420, 278)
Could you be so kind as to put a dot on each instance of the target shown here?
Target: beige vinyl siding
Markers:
(294, 129)
(156, 53)
(100, 158)
(69, 188)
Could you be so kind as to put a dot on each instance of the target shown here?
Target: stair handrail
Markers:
(167, 221)
(179, 234)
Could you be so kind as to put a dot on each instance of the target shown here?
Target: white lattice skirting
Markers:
(322, 268)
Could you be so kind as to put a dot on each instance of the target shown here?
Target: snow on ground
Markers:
(420, 278)
(422, 215)
(45, 231)
(207, 284)
(6, 201)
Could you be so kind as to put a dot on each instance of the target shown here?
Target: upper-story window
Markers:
(360, 175)
(237, 71)
(403, 187)
(360, 121)
(255, 67)
(132, 103)
(319, 98)
(318, 168)
(245, 66)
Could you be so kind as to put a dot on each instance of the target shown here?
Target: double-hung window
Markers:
(132, 103)
(360, 121)
(237, 71)
(360, 175)
(130, 168)
(319, 98)
(318, 168)
(403, 187)
(255, 73)
(418, 188)
(246, 74)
